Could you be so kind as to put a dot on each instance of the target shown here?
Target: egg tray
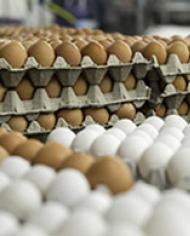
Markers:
(41, 102)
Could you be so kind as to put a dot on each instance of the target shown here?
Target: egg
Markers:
(84, 140)
(153, 163)
(73, 117)
(118, 133)
(138, 46)
(84, 222)
(20, 198)
(14, 167)
(2, 92)
(74, 187)
(172, 131)
(175, 121)
(155, 121)
(47, 121)
(55, 43)
(111, 172)
(53, 88)
(28, 149)
(127, 110)
(18, 123)
(96, 127)
(14, 138)
(131, 209)
(156, 49)
(96, 52)
(41, 176)
(142, 134)
(126, 125)
(80, 87)
(70, 52)
(180, 49)
(130, 83)
(42, 52)
(170, 141)
(3, 154)
(105, 43)
(79, 161)
(14, 53)
(25, 89)
(148, 128)
(106, 144)
(106, 85)
(160, 110)
(99, 115)
(4, 180)
(52, 154)
(63, 136)
(2, 131)
(180, 83)
(80, 43)
(183, 109)
(29, 230)
(9, 224)
(53, 224)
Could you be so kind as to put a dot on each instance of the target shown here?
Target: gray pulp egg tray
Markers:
(67, 76)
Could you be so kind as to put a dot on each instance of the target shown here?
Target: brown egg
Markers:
(126, 111)
(73, 117)
(180, 49)
(79, 161)
(183, 109)
(18, 123)
(80, 43)
(28, 43)
(53, 88)
(47, 121)
(42, 52)
(2, 131)
(117, 36)
(178, 40)
(70, 52)
(111, 172)
(160, 110)
(14, 53)
(3, 154)
(80, 87)
(106, 43)
(138, 46)
(156, 49)
(56, 43)
(130, 83)
(11, 140)
(96, 52)
(130, 41)
(180, 83)
(121, 50)
(52, 154)
(25, 89)
(164, 44)
(2, 92)
(99, 115)
(28, 149)
(106, 84)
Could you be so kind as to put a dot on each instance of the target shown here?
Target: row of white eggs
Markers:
(152, 147)
(67, 206)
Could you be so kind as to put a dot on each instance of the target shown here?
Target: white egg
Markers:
(178, 169)
(173, 132)
(97, 201)
(123, 230)
(84, 222)
(153, 163)
(155, 121)
(175, 121)
(144, 135)
(14, 167)
(186, 142)
(148, 128)
(4, 180)
(147, 192)
(118, 133)
(50, 217)
(129, 208)
(29, 230)
(168, 221)
(186, 130)
(63, 136)
(131, 150)
(96, 127)
(73, 185)
(20, 198)
(41, 176)
(127, 126)
(170, 141)
(84, 139)
(8, 224)
(106, 144)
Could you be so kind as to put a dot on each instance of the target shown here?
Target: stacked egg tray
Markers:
(39, 77)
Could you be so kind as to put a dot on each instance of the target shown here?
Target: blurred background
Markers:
(131, 17)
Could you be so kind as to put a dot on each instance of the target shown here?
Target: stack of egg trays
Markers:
(166, 74)
(67, 76)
